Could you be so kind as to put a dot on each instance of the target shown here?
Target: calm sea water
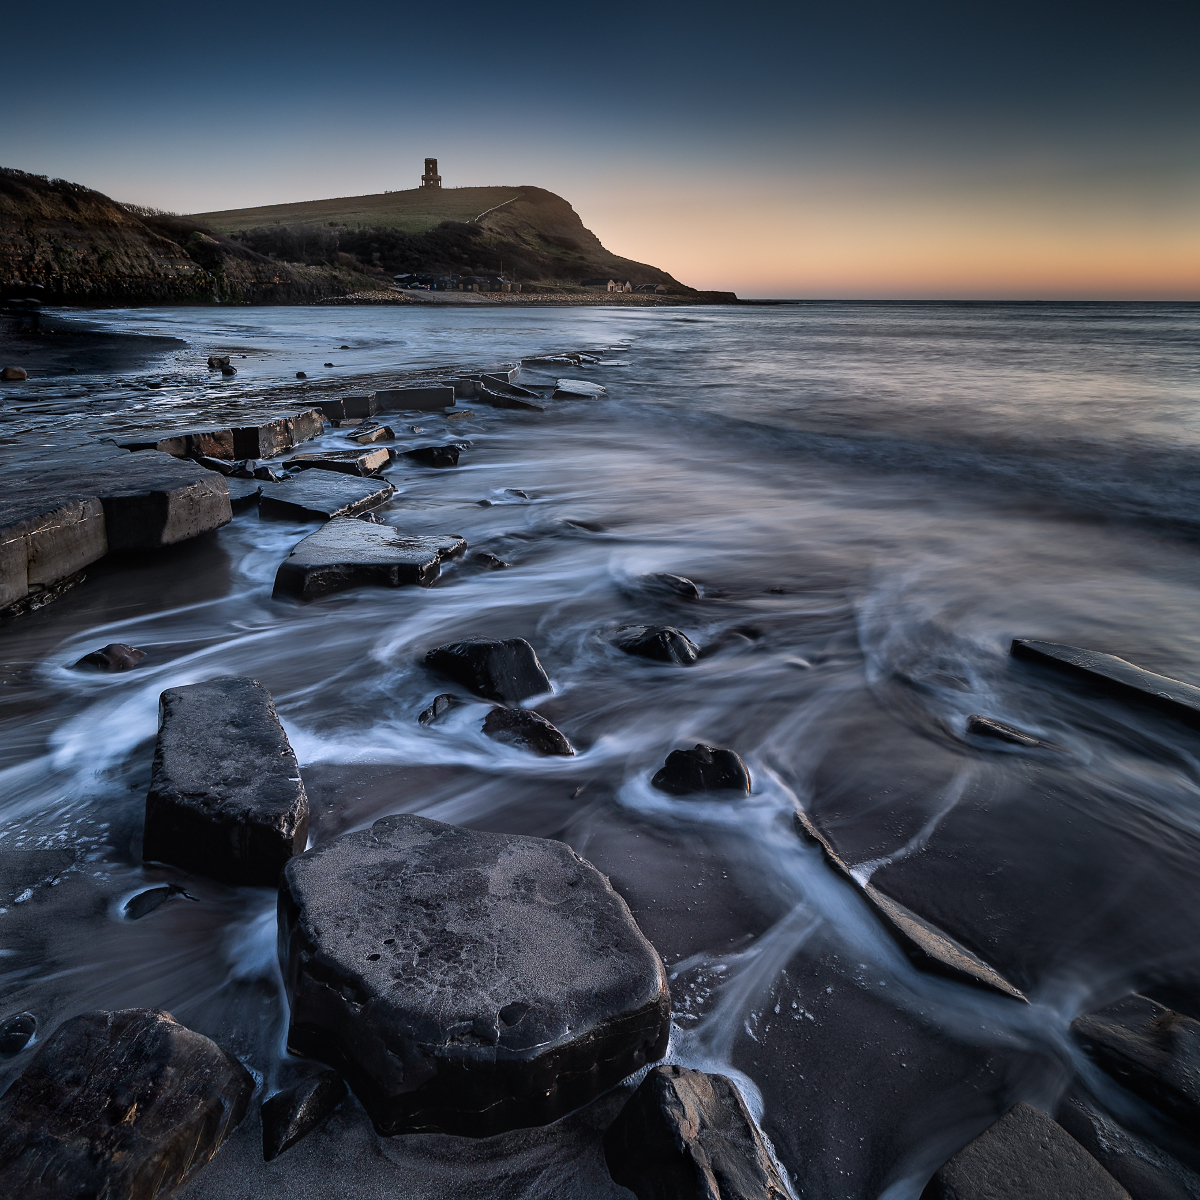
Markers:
(879, 497)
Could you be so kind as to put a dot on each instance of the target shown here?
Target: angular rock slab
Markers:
(322, 495)
(1151, 1050)
(414, 399)
(465, 982)
(1117, 677)
(127, 1104)
(663, 643)
(295, 1112)
(687, 1134)
(226, 798)
(1023, 1156)
(348, 553)
(345, 462)
(989, 727)
(508, 671)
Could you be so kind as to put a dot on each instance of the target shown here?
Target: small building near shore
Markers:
(431, 178)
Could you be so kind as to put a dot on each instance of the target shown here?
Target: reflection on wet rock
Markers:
(289, 1115)
(466, 982)
(116, 656)
(702, 769)
(508, 670)
(127, 1103)
(689, 1136)
(15, 1032)
(663, 643)
(146, 902)
(529, 730)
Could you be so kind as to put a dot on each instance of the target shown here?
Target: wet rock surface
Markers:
(116, 656)
(991, 728)
(322, 495)
(16, 1032)
(127, 1103)
(1023, 1156)
(226, 799)
(678, 585)
(439, 707)
(348, 553)
(505, 670)
(419, 399)
(702, 769)
(688, 1134)
(289, 1115)
(663, 643)
(1152, 1050)
(529, 730)
(346, 462)
(435, 456)
(536, 990)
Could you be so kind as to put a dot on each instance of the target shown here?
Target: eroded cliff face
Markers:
(84, 248)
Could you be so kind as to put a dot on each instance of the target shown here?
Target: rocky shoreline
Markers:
(489, 1000)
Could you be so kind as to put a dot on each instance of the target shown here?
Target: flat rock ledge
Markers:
(349, 553)
(688, 1135)
(322, 495)
(925, 945)
(507, 670)
(127, 1104)
(463, 982)
(226, 799)
(1024, 1156)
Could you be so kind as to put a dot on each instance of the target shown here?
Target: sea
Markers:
(873, 500)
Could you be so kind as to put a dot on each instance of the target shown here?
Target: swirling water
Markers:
(874, 500)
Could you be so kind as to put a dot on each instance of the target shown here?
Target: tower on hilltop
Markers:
(431, 178)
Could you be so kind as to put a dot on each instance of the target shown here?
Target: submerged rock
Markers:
(663, 643)
(490, 562)
(348, 553)
(527, 729)
(1117, 677)
(435, 456)
(144, 903)
(1151, 1050)
(15, 1033)
(466, 982)
(990, 727)
(127, 1104)
(689, 1136)
(116, 656)
(1023, 1156)
(226, 799)
(440, 706)
(702, 769)
(323, 495)
(508, 671)
(295, 1112)
(680, 585)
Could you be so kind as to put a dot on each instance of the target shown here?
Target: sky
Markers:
(861, 150)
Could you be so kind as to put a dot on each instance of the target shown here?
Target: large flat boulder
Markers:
(466, 982)
(322, 495)
(345, 462)
(182, 443)
(127, 1104)
(1023, 1156)
(226, 798)
(348, 553)
(275, 435)
(506, 670)
(1116, 676)
(688, 1135)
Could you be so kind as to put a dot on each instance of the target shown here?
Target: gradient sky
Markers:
(792, 150)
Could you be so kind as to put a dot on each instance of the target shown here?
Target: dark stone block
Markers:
(291, 1114)
(127, 1104)
(350, 553)
(215, 445)
(689, 1136)
(322, 495)
(527, 729)
(663, 643)
(508, 671)
(702, 769)
(991, 728)
(421, 399)
(367, 432)
(116, 656)
(350, 408)
(439, 708)
(466, 982)
(435, 456)
(226, 799)
(346, 462)
(1116, 677)
(243, 493)
(220, 465)
(15, 1032)
(275, 435)
(1151, 1050)
(1023, 1156)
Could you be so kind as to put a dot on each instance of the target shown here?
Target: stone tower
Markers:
(431, 178)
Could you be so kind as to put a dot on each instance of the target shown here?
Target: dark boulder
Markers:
(678, 585)
(226, 799)
(508, 671)
(991, 728)
(295, 1112)
(13, 374)
(216, 362)
(1023, 1156)
(116, 656)
(490, 562)
(440, 706)
(15, 1032)
(689, 1136)
(301, 374)
(1151, 1050)
(466, 982)
(348, 553)
(435, 456)
(663, 643)
(127, 1104)
(702, 769)
(228, 371)
(527, 729)
(144, 903)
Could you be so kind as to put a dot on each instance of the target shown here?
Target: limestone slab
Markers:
(466, 982)
(345, 462)
(322, 495)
